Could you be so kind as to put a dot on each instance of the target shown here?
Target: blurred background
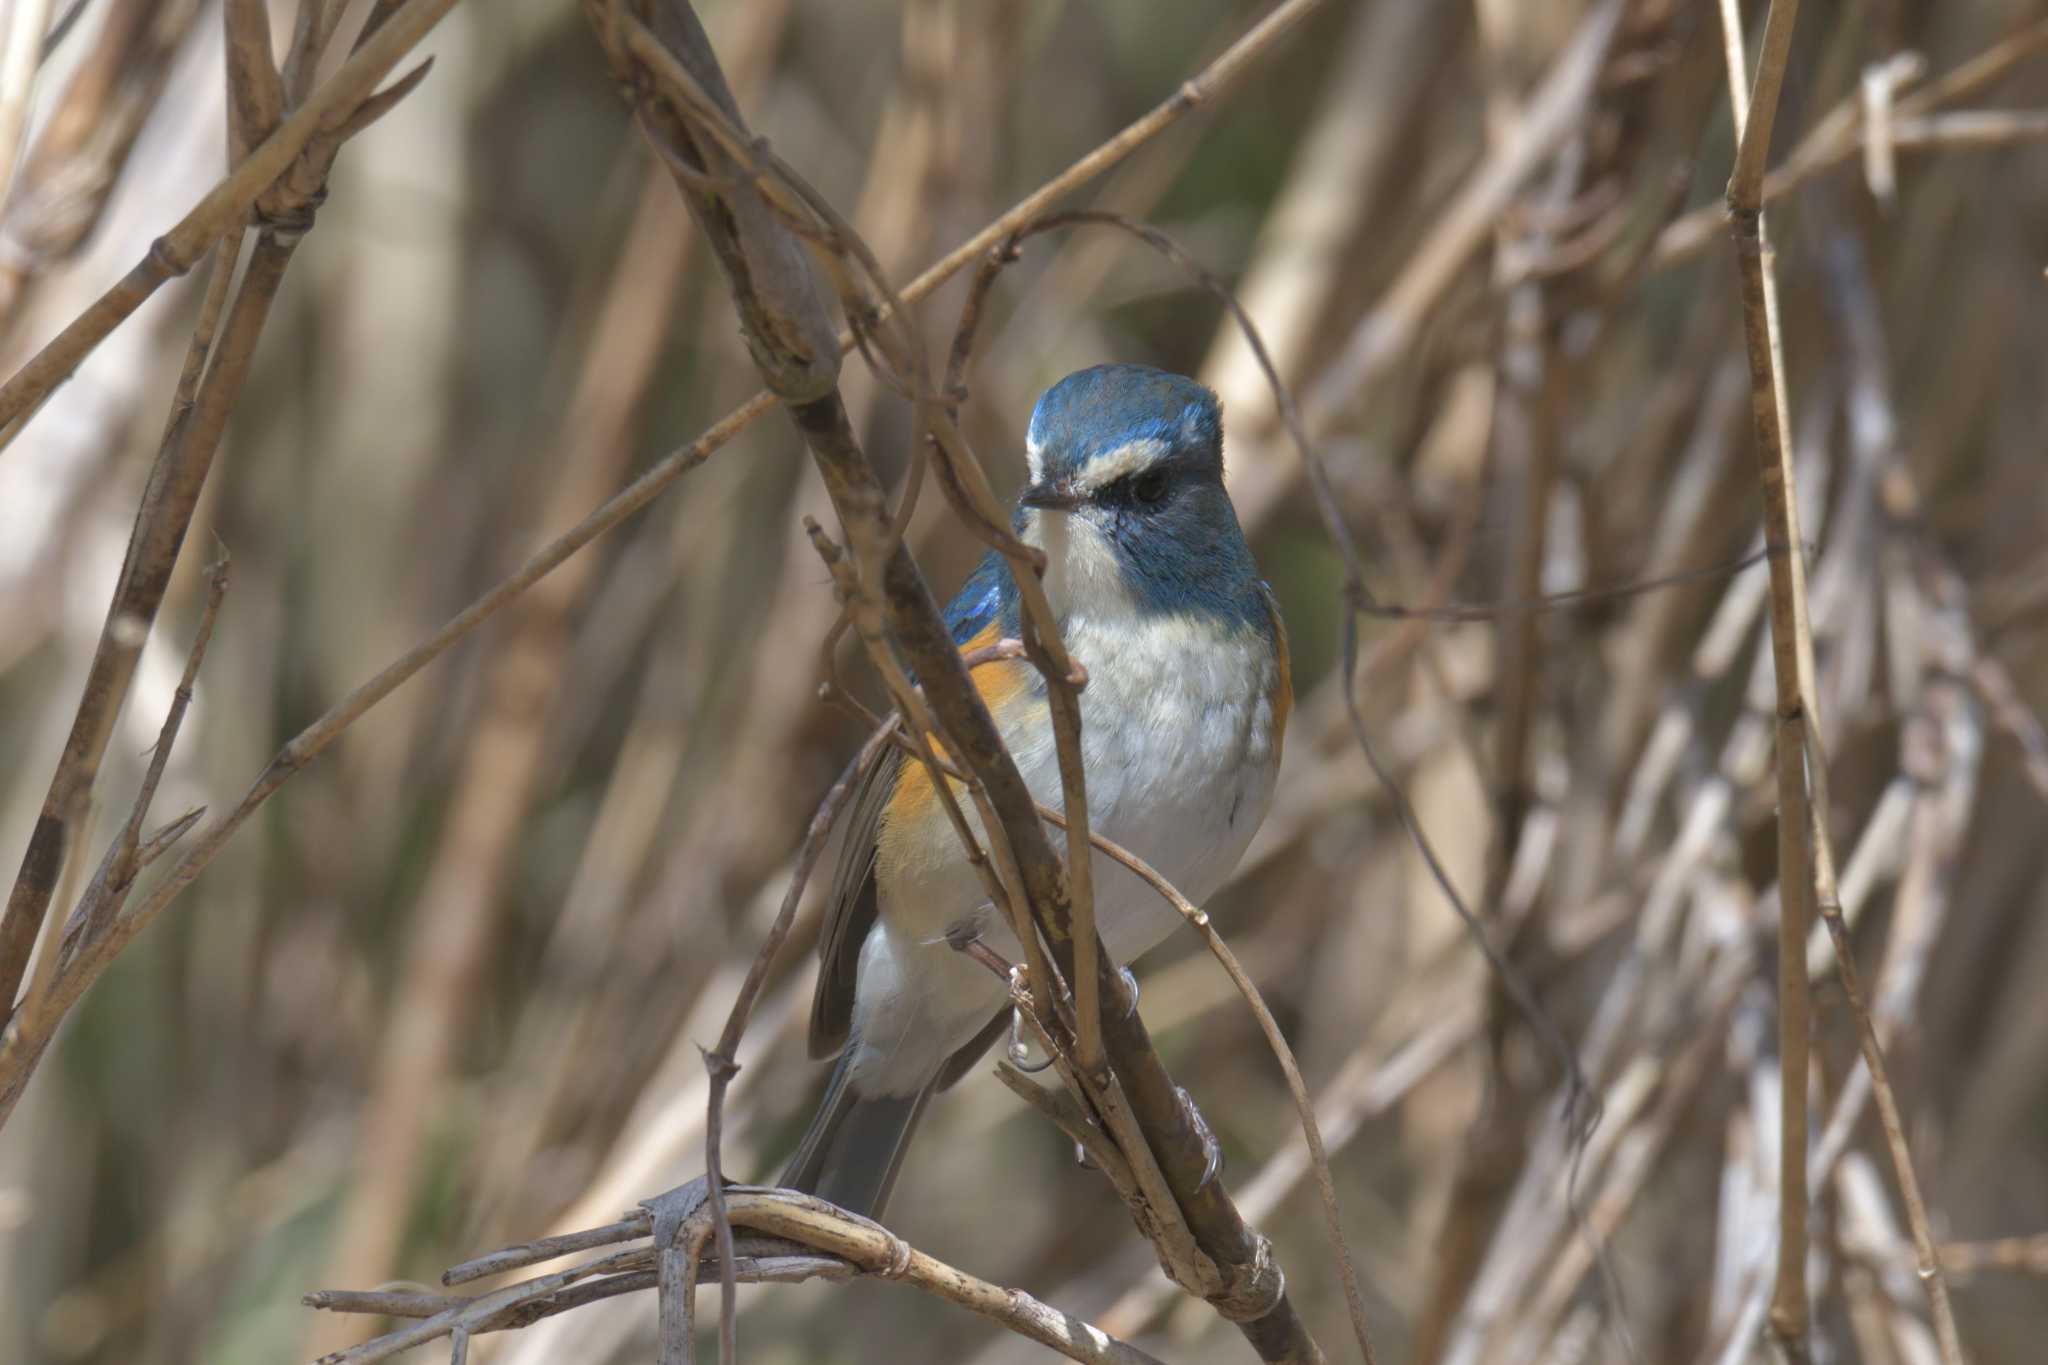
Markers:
(446, 991)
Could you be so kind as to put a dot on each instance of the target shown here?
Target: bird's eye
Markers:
(1150, 488)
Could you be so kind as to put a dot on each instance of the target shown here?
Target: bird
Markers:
(1183, 715)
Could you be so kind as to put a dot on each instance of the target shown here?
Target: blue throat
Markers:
(1191, 561)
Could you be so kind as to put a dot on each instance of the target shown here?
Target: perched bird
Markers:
(1181, 722)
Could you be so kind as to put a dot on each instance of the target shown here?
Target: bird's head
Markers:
(1126, 495)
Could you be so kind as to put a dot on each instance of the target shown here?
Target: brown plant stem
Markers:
(316, 737)
(811, 1238)
(462, 900)
(222, 209)
(1791, 648)
(65, 177)
(168, 503)
(697, 129)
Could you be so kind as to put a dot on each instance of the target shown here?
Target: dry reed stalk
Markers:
(695, 123)
(1791, 640)
(463, 896)
(315, 127)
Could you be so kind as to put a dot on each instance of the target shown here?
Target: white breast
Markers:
(1180, 750)
(1178, 739)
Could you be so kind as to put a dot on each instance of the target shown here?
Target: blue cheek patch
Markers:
(1188, 557)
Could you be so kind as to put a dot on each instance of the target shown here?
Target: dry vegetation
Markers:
(495, 826)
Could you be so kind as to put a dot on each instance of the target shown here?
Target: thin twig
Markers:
(283, 206)
(721, 1062)
(225, 207)
(697, 124)
(815, 1239)
(1276, 1042)
(1792, 649)
(65, 180)
(385, 49)
(1836, 137)
(169, 503)
(1949, 647)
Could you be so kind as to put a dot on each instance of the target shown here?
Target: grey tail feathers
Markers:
(854, 1148)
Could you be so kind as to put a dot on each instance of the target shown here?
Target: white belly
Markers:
(1180, 750)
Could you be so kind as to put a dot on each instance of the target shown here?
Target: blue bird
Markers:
(1159, 599)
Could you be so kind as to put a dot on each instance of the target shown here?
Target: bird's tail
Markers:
(854, 1147)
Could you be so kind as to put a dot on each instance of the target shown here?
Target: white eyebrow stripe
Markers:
(1034, 446)
(1104, 470)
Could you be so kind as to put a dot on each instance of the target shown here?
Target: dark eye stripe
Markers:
(1148, 489)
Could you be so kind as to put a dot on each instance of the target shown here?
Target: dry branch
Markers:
(1805, 860)
(1791, 643)
(802, 1238)
(1638, 905)
(684, 107)
(315, 129)
(315, 738)
(1839, 136)
(216, 369)
(463, 897)
(61, 186)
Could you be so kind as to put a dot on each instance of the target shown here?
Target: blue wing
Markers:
(989, 594)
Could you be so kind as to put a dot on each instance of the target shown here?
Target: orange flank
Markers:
(1000, 682)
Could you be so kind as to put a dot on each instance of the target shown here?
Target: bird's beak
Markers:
(1055, 496)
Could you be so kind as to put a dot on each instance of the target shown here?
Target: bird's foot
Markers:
(1019, 1050)
(1212, 1150)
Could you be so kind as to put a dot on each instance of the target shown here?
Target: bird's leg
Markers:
(963, 935)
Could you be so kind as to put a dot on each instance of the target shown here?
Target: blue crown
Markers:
(1099, 411)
